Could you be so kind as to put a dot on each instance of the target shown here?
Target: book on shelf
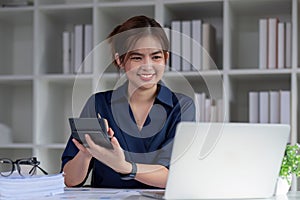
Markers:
(88, 47)
(176, 45)
(207, 109)
(66, 52)
(285, 107)
(186, 45)
(168, 32)
(19, 187)
(263, 43)
(269, 106)
(263, 107)
(274, 107)
(288, 45)
(197, 44)
(76, 46)
(253, 107)
(193, 45)
(274, 44)
(281, 46)
(209, 45)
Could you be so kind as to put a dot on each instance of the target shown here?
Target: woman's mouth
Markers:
(146, 77)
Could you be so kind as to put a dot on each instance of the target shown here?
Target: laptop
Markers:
(225, 161)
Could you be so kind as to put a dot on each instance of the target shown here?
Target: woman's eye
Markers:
(135, 58)
(156, 57)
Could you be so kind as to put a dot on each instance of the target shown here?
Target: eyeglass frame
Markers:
(30, 161)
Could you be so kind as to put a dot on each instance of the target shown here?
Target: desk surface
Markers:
(97, 193)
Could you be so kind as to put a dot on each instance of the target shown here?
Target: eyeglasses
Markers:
(24, 166)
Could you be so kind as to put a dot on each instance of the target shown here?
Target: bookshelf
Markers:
(36, 96)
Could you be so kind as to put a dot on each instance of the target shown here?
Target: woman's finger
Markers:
(106, 124)
(89, 141)
(110, 132)
(79, 146)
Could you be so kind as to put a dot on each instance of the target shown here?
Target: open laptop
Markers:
(225, 160)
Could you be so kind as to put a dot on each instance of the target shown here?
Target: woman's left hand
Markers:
(114, 158)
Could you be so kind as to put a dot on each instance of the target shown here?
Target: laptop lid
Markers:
(226, 160)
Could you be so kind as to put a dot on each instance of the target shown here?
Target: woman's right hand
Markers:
(81, 148)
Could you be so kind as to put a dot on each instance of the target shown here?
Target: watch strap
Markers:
(132, 174)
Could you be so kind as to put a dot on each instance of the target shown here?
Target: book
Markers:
(176, 46)
(285, 107)
(272, 43)
(288, 45)
(207, 104)
(186, 45)
(72, 54)
(88, 47)
(66, 50)
(220, 110)
(213, 111)
(209, 46)
(253, 107)
(197, 44)
(263, 107)
(200, 99)
(263, 44)
(274, 107)
(197, 106)
(78, 47)
(281, 45)
(168, 31)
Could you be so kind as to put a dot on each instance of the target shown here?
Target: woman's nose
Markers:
(147, 60)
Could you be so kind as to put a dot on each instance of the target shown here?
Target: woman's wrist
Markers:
(126, 168)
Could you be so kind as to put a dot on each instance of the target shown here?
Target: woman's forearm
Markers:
(154, 175)
(76, 169)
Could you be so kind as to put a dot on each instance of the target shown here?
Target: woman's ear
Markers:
(117, 58)
(167, 56)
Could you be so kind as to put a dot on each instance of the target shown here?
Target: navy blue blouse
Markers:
(150, 145)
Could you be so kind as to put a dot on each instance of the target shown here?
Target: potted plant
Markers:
(290, 166)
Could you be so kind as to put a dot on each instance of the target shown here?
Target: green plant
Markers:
(291, 162)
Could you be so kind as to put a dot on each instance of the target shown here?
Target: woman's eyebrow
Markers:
(135, 53)
(157, 52)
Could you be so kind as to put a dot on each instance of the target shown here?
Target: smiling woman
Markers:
(142, 115)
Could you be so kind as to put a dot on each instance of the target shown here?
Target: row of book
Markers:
(207, 109)
(76, 46)
(187, 40)
(274, 44)
(269, 106)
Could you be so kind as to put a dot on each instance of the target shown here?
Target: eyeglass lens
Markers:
(26, 167)
(6, 167)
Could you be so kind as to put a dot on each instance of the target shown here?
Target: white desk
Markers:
(93, 194)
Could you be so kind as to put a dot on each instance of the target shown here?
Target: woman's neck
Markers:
(141, 95)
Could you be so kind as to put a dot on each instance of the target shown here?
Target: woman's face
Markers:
(145, 64)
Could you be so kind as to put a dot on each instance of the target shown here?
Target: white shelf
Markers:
(37, 98)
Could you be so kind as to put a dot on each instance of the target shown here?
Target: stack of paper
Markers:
(18, 187)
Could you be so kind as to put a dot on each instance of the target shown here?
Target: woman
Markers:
(142, 115)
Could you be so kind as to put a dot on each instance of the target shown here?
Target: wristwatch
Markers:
(131, 175)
